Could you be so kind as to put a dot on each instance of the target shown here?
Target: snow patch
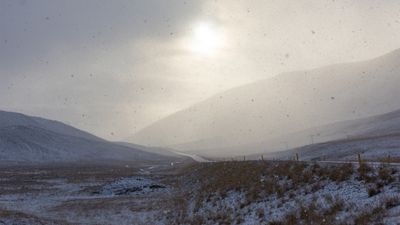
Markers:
(131, 185)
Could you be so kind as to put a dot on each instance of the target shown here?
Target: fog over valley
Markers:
(132, 63)
(188, 112)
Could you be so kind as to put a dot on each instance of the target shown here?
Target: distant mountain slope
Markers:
(285, 104)
(380, 125)
(385, 125)
(376, 137)
(15, 119)
(371, 147)
(25, 139)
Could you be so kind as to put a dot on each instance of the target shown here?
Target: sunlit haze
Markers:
(115, 67)
(206, 40)
(200, 112)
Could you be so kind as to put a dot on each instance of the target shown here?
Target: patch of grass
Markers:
(283, 181)
(340, 173)
(373, 190)
(365, 173)
(386, 174)
(369, 217)
(25, 218)
(391, 202)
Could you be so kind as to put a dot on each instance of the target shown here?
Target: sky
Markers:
(115, 67)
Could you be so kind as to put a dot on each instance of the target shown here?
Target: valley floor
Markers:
(90, 195)
(252, 192)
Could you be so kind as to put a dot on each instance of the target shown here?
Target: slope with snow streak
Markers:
(196, 158)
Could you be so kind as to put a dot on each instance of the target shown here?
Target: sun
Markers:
(206, 39)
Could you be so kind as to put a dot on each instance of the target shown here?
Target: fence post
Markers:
(297, 157)
(359, 159)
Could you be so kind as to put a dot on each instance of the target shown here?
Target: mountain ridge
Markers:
(35, 140)
(286, 102)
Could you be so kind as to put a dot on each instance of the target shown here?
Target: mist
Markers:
(199, 112)
(115, 69)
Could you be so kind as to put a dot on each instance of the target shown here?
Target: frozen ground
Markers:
(291, 193)
(253, 192)
(83, 196)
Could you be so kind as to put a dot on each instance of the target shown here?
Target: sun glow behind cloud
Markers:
(205, 39)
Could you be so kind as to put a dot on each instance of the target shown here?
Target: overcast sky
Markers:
(114, 67)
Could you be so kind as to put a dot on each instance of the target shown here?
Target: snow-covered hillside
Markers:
(375, 137)
(8, 119)
(285, 193)
(282, 105)
(25, 139)
(373, 148)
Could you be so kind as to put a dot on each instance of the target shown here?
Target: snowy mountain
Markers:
(288, 103)
(385, 126)
(381, 125)
(374, 137)
(8, 119)
(26, 139)
(372, 148)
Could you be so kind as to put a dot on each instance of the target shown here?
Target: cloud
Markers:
(117, 66)
(32, 29)
(81, 62)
